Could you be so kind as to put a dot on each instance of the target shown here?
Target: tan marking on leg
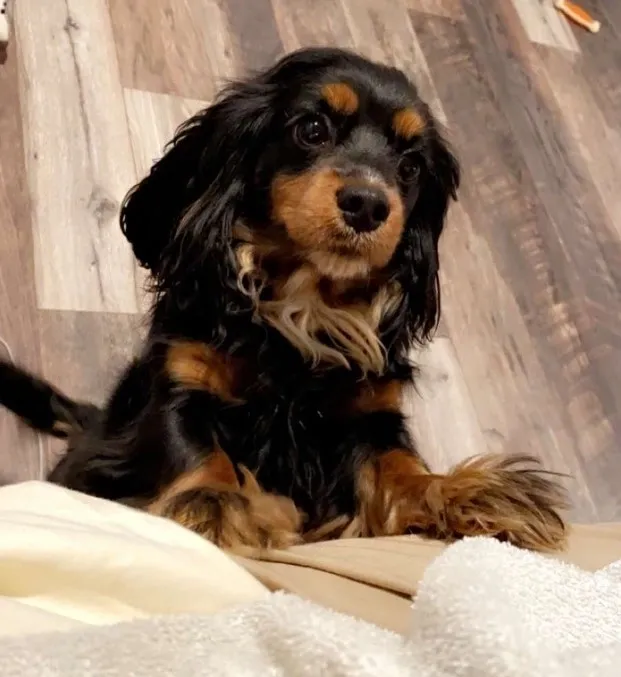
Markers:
(507, 497)
(210, 501)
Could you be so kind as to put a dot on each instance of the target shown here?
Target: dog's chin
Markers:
(347, 256)
(339, 266)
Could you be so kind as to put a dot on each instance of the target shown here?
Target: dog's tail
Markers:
(40, 405)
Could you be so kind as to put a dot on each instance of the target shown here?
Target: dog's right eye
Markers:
(313, 131)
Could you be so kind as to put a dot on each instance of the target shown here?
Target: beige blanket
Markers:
(78, 565)
(67, 560)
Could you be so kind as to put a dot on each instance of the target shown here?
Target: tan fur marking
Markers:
(507, 497)
(216, 471)
(375, 395)
(306, 205)
(62, 428)
(210, 501)
(341, 97)
(197, 366)
(408, 123)
(322, 248)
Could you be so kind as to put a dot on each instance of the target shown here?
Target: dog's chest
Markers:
(280, 417)
(295, 438)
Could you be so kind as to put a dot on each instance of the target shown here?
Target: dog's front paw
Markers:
(507, 497)
(233, 519)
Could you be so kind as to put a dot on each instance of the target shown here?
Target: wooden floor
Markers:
(529, 353)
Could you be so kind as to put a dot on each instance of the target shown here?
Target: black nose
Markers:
(364, 208)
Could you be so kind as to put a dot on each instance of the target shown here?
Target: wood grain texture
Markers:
(451, 9)
(153, 119)
(254, 33)
(569, 417)
(518, 409)
(574, 90)
(78, 155)
(440, 410)
(181, 47)
(305, 23)
(581, 347)
(385, 34)
(608, 12)
(19, 450)
(83, 355)
(545, 25)
(601, 58)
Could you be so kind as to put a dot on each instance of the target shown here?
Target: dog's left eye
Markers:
(409, 169)
(313, 131)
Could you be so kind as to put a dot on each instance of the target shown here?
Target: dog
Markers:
(291, 233)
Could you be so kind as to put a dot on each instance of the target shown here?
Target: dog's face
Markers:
(345, 167)
(325, 172)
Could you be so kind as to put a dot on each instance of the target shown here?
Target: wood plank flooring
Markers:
(19, 328)
(528, 356)
(78, 156)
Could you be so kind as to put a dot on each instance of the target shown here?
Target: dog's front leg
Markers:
(228, 507)
(507, 497)
(215, 498)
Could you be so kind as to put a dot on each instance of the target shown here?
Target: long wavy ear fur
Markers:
(418, 314)
(153, 207)
(181, 215)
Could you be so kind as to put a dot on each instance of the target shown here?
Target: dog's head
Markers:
(314, 193)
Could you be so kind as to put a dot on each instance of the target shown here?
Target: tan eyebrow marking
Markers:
(407, 123)
(341, 97)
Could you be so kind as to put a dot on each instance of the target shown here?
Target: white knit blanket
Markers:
(484, 609)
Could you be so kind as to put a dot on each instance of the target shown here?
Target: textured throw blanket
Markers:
(483, 609)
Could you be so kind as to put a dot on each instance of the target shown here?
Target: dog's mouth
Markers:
(345, 228)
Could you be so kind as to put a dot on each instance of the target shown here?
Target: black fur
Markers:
(290, 429)
(41, 406)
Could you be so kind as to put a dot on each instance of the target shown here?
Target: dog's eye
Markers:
(313, 131)
(409, 169)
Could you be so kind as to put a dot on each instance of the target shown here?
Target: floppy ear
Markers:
(441, 186)
(153, 207)
(418, 264)
(187, 204)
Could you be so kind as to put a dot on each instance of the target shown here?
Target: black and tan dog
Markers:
(291, 230)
